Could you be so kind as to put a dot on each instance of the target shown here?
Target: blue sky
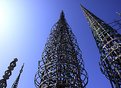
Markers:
(25, 26)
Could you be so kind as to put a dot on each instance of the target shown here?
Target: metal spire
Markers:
(62, 16)
(8, 73)
(15, 84)
(109, 43)
(62, 65)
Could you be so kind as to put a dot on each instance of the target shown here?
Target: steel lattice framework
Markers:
(62, 65)
(15, 84)
(108, 41)
(7, 74)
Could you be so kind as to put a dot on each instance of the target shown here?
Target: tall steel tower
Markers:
(62, 64)
(15, 84)
(108, 41)
(7, 74)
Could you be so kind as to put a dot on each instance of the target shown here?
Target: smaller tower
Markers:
(8, 73)
(15, 84)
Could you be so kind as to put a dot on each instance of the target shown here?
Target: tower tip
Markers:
(23, 65)
(62, 14)
(22, 68)
(82, 7)
(15, 59)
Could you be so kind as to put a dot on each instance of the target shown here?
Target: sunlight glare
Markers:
(6, 15)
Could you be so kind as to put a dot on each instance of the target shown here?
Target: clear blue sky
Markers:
(25, 26)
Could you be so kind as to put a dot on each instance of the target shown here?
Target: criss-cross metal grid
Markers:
(108, 41)
(62, 65)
